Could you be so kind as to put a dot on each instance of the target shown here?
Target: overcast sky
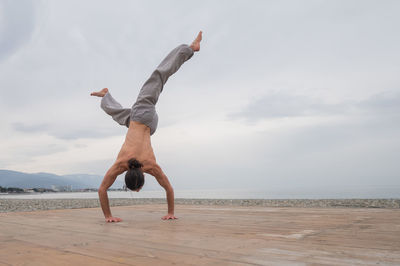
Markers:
(282, 94)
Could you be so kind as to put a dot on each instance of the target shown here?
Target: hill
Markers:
(10, 178)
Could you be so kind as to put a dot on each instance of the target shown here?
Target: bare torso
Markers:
(137, 145)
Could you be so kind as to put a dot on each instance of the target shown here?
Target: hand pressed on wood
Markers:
(169, 217)
(113, 219)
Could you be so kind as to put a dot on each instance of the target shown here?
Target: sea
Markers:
(353, 193)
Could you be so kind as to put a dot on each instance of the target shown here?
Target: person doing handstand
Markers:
(136, 155)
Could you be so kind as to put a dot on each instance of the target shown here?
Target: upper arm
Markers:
(111, 175)
(161, 178)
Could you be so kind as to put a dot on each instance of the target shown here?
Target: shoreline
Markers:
(23, 205)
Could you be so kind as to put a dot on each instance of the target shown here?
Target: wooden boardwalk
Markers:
(204, 235)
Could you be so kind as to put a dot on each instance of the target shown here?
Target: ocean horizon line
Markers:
(220, 194)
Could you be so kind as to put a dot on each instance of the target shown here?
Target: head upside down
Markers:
(134, 178)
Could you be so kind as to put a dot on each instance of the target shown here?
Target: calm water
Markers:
(369, 193)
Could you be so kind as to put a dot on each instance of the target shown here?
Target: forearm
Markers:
(170, 200)
(162, 179)
(104, 202)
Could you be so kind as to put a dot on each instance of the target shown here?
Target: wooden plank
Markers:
(204, 235)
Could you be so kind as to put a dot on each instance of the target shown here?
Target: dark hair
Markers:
(134, 177)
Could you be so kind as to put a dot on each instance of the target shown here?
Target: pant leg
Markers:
(115, 110)
(143, 110)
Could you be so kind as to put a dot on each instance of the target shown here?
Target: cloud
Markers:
(17, 25)
(278, 105)
(70, 131)
(65, 120)
(281, 105)
(42, 152)
(387, 102)
(21, 150)
(22, 127)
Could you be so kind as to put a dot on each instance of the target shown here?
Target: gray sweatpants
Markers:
(144, 110)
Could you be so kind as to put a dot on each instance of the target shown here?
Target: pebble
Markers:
(19, 205)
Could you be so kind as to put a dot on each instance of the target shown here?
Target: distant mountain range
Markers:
(10, 178)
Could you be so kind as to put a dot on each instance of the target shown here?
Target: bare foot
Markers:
(196, 43)
(100, 93)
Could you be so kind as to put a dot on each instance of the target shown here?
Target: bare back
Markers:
(137, 145)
